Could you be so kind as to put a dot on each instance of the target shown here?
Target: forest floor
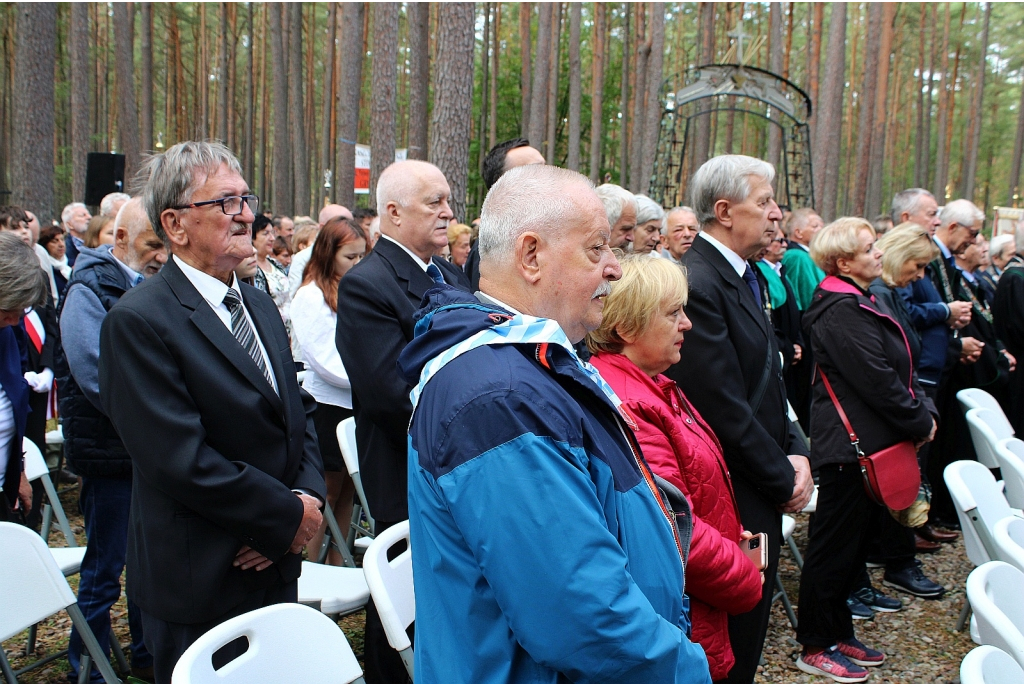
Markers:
(920, 643)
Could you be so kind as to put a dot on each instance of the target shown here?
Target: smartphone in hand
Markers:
(756, 549)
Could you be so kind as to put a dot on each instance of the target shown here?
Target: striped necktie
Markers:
(244, 334)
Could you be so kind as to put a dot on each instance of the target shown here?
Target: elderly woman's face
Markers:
(912, 271)
(866, 264)
(460, 250)
(646, 236)
(657, 348)
(56, 247)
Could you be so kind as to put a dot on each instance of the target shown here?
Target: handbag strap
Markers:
(854, 440)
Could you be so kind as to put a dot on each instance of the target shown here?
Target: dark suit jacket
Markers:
(723, 358)
(215, 451)
(376, 303)
(12, 362)
(70, 249)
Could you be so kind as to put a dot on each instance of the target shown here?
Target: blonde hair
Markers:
(455, 230)
(645, 287)
(304, 236)
(908, 242)
(838, 240)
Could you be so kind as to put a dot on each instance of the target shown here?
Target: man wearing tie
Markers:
(376, 302)
(196, 374)
(731, 370)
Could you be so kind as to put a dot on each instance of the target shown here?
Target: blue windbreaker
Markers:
(540, 551)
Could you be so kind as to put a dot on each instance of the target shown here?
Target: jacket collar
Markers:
(716, 259)
(411, 274)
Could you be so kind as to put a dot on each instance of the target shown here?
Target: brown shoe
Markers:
(922, 545)
(933, 534)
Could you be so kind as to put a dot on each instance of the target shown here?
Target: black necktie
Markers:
(755, 287)
(244, 334)
(435, 273)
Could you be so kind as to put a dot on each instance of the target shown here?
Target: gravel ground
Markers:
(919, 641)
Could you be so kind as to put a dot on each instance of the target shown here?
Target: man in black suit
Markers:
(196, 374)
(376, 301)
(730, 368)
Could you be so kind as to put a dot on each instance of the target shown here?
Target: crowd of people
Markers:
(580, 401)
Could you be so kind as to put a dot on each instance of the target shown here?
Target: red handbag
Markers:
(892, 477)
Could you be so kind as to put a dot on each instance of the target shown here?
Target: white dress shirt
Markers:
(314, 326)
(419, 262)
(737, 262)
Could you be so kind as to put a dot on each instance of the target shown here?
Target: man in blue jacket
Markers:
(542, 548)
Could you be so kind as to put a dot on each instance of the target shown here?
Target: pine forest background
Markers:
(908, 94)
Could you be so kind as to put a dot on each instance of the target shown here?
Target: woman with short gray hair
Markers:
(649, 219)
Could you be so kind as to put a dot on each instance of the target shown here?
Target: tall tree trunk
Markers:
(297, 112)
(485, 90)
(541, 72)
(597, 91)
(127, 114)
(493, 99)
(945, 91)
(920, 141)
(222, 77)
(202, 80)
(551, 129)
(146, 77)
(624, 97)
(283, 203)
(352, 15)
(250, 103)
(328, 86)
(33, 108)
(976, 113)
(926, 150)
(382, 127)
(643, 56)
(655, 75)
(873, 198)
(525, 81)
(775, 56)
(787, 57)
(1018, 151)
(419, 78)
(868, 93)
(79, 99)
(453, 99)
(830, 116)
(575, 86)
(814, 61)
(702, 133)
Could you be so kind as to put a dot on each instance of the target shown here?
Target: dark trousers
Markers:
(383, 664)
(952, 442)
(167, 641)
(835, 557)
(105, 503)
(747, 631)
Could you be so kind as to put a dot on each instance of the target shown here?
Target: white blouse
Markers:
(314, 326)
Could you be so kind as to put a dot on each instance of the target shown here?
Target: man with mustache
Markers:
(376, 302)
(680, 229)
(511, 428)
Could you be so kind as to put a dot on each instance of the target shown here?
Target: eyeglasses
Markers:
(231, 205)
(781, 241)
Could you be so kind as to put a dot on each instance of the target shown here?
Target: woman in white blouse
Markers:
(277, 279)
(314, 314)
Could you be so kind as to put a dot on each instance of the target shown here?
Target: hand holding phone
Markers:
(756, 549)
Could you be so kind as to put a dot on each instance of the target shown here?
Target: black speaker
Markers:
(104, 174)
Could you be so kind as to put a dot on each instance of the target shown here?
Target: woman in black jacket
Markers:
(864, 352)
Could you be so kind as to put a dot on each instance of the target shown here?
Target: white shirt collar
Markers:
(777, 268)
(495, 301)
(969, 276)
(942, 246)
(212, 289)
(422, 264)
(737, 262)
(132, 273)
(800, 245)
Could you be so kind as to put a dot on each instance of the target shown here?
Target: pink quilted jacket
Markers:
(682, 449)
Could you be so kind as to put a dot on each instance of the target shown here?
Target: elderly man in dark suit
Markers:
(196, 374)
(376, 302)
(730, 367)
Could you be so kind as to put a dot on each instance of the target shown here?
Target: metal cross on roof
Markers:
(739, 35)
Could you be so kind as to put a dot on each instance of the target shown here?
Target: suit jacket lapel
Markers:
(416, 281)
(729, 275)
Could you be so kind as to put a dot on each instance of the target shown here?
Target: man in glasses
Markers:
(196, 375)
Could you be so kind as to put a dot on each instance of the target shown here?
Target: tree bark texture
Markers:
(32, 159)
(419, 77)
(222, 78)
(655, 75)
(146, 78)
(643, 56)
(876, 159)
(127, 114)
(382, 126)
(702, 133)
(1018, 152)
(830, 116)
(971, 163)
(941, 153)
(814, 60)
(79, 98)
(525, 81)
(492, 117)
(326, 160)
(453, 100)
(541, 73)
(597, 91)
(283, 191)
(297, 111)
(919, 140)
(624, 97)
(250, 104)
(775, 57)
(575, 86)
(352, 16)
(551, 129)
(485, 90)
(867, 94)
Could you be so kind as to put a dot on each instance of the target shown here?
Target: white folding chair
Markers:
(334, 590)
(1010, 455)
(391, 585)
(987, 429)
(788, 526)
(347, 442)
(33, 588)
(988, 664)
(287, 643)
(975, 398)
(980, 503)
(994, 591)
(1008, 536)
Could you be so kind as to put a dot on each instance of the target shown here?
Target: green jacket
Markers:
(803, 274)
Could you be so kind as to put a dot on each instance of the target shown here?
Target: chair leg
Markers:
(30, 644)
(407, 659)
(5, 668)
(965, 614)
(337, 538)
(58, 511)
(122, 662)
(787, 605)
(102, 662)
(796, 553)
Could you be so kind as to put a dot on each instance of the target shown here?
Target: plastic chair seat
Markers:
(788, 526)
(989, 665)
(363, 543)
(69, 559)
(339, 590)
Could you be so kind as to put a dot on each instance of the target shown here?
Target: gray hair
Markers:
(648, 210)
(22, 283)
(107, 203)
(172, 177)
(726, 177)
(69, 209)
(677, 208)
(999, 243)
(133, 216)
(906, 201)
(615, 198)
(961, 212)
(531, 197)
(396, 183)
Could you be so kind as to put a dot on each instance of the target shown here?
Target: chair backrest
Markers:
(973, 398)
(347, 441)
(993, 590)
(391, 584)
(31, 585)
(35, 465)
(288, 643)
(35, 469)
(1010, 455)
(1008, 536)
(979, 505)
(988, 664)
(987, 429)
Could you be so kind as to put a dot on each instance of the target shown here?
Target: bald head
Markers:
(135, 242)
(332, 212)
(412, 203)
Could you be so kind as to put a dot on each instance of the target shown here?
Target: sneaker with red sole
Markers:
(855, 650)
(833, 664)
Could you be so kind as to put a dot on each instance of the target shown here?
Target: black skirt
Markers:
(325, 420)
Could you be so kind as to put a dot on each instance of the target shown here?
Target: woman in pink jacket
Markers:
(640, 337)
